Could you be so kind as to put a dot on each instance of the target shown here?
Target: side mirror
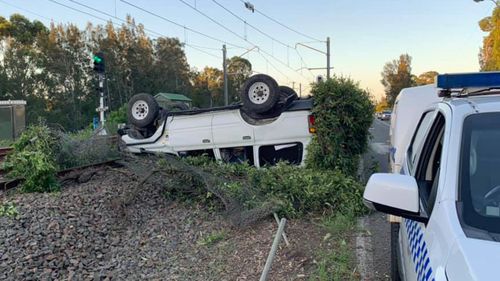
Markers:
(394, 194)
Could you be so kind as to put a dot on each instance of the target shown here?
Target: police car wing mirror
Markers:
(393, 194)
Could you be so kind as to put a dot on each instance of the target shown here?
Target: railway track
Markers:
(3, 152)
(7, 184)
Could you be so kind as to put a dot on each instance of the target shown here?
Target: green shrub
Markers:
(116, 117)
(8, 209)
(343, 113)
(33, 159)
(296, 190)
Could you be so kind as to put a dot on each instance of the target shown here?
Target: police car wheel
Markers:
(394, 252)
(260, 93)
(142, 110)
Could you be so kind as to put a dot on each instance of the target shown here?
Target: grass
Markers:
(337, 262)
(212, 239)
(8, 209)
(5, 143)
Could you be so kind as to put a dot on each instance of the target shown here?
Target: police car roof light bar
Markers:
(468, 80)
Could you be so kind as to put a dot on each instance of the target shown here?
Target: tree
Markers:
(239, 69)
(396, 76)
(381, 105)
(171, 69)
(208, 84)
(489, 55)
(426, 78)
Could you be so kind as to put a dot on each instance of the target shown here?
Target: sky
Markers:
(440, 35)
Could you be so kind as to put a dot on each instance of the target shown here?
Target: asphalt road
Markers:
(377, 225)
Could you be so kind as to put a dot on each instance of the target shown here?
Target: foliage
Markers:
(239, 69)
(33, 159)
(336, 263)
(84, 148)
(489, 56)
(425, 78)
(118, 116)
(212, 239)
(397, 76)
(5, 143)
(381, 105)
(343, 113)
(296, 190)
(209, 87)
(50, 68)
(8, 209)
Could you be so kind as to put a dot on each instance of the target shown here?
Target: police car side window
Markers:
(418, 138)
(427, 171)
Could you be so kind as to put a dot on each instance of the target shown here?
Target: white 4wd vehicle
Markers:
(271, 125)
(448, 188)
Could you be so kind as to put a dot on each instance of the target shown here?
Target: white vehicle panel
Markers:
(229, 129)
(289, 127)
(190, 132)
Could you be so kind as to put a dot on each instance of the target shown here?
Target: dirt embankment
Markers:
(98, 231)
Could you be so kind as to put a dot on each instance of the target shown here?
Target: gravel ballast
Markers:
(87, 232)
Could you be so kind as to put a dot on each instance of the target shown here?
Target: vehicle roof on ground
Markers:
(172, 97)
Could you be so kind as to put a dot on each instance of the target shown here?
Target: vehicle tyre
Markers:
(142, 110)
(260, 93)
(286, 92)
(394, 252)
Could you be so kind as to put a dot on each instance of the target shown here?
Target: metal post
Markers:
(274, 248)
(224, 67)
(327, 58)
(101, 109)
(300, 89)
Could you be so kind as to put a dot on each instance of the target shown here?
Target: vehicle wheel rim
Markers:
(140, 110)
(258, 93)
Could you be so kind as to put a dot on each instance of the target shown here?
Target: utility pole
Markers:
(293, 85)
(224, 67)
(327, 58)
(300, 89)
(327, 53)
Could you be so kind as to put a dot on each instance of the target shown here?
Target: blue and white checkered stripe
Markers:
(418, 251)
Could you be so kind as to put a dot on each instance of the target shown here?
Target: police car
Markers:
(447, 191)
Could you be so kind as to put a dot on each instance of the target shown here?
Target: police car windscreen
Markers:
(480, 172)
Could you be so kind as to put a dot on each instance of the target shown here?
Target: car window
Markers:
(418, 137)
(429, 163)
(238, 155)
(479, 176)
(272, 154)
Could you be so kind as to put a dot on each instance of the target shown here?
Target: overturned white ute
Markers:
(272, 124)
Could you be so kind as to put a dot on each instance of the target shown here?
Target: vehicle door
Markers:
(230, 130)
(233, 137)
(423, 163)
(190, 132)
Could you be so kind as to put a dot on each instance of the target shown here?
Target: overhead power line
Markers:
(282, 24)
(194, 47)
(182, 26)
(78, 10)
(239, 36)
(25, 10)
(252, 26)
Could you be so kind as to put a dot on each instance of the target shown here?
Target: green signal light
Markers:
(97, 59)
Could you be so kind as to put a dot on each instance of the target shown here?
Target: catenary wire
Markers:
(282, 24)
